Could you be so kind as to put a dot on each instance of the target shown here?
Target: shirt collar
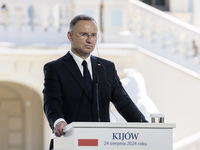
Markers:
(80, 60)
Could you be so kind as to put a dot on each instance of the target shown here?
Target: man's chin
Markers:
(89, 50)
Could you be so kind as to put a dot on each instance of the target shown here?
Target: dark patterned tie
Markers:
(87, 77)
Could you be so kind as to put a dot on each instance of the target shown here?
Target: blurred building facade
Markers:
(163, 49)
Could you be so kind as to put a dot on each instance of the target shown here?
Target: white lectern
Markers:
(112, 136)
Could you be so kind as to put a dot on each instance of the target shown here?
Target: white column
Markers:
(11, 14)
(116, 21)
(56, 16)
(91, 8)
(4, 15)
(37, 18)
(25, 13)
(196, 11)
(50, 14)
(64, 14)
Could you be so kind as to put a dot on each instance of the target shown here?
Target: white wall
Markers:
(178, 5)
(175, 93)
(196, 20)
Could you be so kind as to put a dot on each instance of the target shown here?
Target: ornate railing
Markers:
(34, 21)
(41, 22)
(166, 36)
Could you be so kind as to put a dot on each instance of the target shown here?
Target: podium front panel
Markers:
(121, 138)
(108, 139)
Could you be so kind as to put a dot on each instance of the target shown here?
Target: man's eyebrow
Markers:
(88, 33)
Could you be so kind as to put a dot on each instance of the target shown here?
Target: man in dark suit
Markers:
(69, 97)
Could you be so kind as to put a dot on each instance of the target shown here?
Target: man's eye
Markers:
(83, 34)
(93, 35)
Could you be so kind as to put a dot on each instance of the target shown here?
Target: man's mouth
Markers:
(89, 46)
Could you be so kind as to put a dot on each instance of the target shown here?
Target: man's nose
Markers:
(89, 38)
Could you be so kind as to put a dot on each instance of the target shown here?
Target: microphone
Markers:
(97, 94)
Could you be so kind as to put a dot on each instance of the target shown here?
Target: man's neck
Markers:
(81, 55)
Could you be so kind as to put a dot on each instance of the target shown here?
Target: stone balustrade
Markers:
(164, 35)
(33, 21)
(121, 21)
(33, 13)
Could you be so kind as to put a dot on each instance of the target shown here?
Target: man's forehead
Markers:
(86, 21)
(86, 24)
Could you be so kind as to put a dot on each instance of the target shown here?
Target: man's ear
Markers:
(69, 35)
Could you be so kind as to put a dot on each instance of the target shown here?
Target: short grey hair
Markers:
(78, 18)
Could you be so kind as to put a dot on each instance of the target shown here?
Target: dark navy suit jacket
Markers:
(66, 96)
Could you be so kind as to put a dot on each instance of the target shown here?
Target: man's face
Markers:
(82, 44)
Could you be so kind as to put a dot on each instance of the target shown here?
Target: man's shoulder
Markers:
(58, 60)
(104, 61)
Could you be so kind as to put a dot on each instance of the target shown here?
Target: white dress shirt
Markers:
(79, 61)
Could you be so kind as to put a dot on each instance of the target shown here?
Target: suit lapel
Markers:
(94, 68)
(71, 65)
(97, 70)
